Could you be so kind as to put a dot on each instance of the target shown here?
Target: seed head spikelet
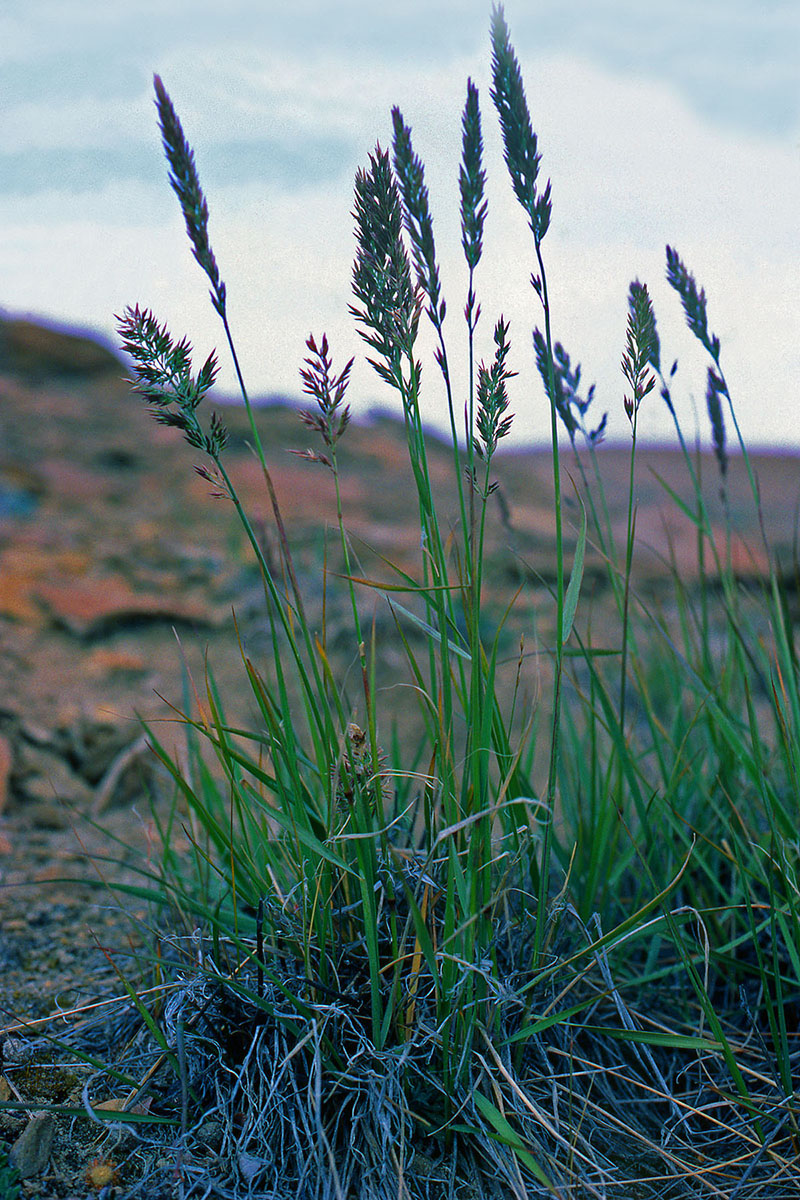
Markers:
(640, 348)
(491, 422)
(693, 300)
(330, 420)
(640, 309)
(418, 221)
(163, 370)
(567, 398)
(519, 141)
(381, 272)
(186, 185)
(563, 389)
(654, 353)
(472, 179)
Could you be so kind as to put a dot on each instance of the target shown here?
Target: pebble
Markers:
(45, 776)
(31, 1150)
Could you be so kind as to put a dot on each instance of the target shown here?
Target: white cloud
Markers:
(632, 168)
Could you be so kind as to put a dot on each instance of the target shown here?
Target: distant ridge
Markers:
(35, 350)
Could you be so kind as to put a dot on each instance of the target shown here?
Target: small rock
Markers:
(37, 735)
(250, 1166)
(46, 777)
(127, 776)
(31, 1150)
(91, 747)
(16, 1050)
(15, 598)
(92, 607)
(210, 1134)
(103, 662)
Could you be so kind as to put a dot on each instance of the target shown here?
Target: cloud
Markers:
(279, 135)
(82, 170)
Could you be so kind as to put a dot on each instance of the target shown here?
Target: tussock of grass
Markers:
(551, 949)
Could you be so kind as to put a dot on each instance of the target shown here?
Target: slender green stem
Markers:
(552, 773)
(626, 591)
(273, 498)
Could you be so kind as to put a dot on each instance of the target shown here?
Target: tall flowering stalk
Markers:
(410, 175)
(641, 350)
(329, 420)
(521, 151)
(185, 183)
(695, 310)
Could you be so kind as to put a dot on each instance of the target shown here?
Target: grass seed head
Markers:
(355, 773)
(641, 347)
(519, 140)
(163, 370)
(328, 390)
(567, 399)
(418, 221)
(472, 180)
(693, 300)
(381, 272)
(491, 422)
(186, 185)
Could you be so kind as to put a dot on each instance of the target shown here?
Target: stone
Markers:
(95, 606)
(15, 598)
(91, 747)
(44, 776)
(24, 565)
(127, 777)
(102, 662)
(37, 734)
(31, 1151)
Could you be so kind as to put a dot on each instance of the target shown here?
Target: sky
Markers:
(673, 122)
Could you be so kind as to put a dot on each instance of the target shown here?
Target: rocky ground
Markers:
(118, 571)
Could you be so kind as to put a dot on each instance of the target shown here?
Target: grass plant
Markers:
(553, 947)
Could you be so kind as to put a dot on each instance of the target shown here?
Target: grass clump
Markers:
(550, 948)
